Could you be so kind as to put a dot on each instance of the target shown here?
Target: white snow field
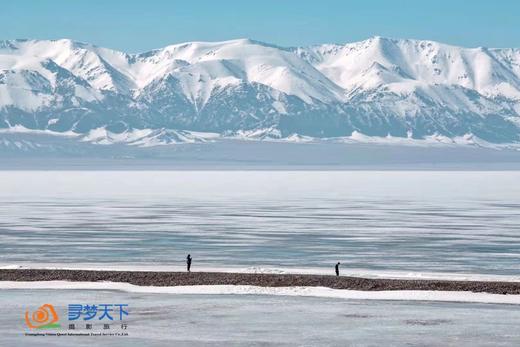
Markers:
(322, 292)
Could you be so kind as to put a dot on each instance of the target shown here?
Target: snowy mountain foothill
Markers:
(384, 91)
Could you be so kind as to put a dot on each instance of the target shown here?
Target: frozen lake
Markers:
(411, 221)
(204, 320)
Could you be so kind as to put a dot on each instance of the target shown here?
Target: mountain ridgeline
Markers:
(377, 87)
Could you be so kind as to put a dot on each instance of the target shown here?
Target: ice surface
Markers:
(201, 320)
(459, 225)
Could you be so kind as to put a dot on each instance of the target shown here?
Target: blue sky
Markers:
(136, 26)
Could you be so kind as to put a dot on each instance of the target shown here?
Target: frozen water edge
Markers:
(365, 273)
(399, 295)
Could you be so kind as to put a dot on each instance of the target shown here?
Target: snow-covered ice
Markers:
(201, 320)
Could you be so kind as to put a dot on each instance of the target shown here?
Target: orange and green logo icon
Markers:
(45, 317)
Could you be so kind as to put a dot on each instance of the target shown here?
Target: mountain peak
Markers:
(378, 86)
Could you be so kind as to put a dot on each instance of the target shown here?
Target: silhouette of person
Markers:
(188, 262)
(337, 268)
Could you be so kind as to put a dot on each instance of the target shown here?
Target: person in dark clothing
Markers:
(337, 268)
(188, 262)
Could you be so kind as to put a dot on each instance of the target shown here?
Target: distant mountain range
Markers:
(378, 87)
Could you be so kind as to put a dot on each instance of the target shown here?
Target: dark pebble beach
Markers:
(148, 278)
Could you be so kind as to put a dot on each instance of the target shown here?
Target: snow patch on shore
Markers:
(400, 295)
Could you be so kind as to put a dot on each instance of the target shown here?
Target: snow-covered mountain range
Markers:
(378, 87)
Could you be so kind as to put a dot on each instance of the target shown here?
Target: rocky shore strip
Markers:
(149, 278)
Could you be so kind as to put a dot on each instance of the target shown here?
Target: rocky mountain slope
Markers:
(378, 87)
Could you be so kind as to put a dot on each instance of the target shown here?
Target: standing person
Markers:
(337, 268)
(188, 262)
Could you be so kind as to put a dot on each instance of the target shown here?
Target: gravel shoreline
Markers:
(150, 278)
